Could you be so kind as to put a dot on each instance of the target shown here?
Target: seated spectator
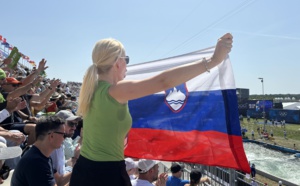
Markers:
(73, 98)
(78, 131)
(148, 173)
(130, 168)
(52, 106)
(195, 178)
(11, 137)
(35, 166)
(71, 122)
(61, 101)
(67, 90)
(7, 153)
(175, 179)
(67, 150)
(10, 90)
(68, 96)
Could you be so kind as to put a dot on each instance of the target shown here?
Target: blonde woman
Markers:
(103, 104)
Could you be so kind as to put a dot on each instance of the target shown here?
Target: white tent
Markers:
(291, 105)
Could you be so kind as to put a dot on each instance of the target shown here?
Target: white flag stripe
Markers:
(164, 64)
(219, 78)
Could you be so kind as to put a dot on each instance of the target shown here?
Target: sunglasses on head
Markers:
(4, 172)
(62, 133)
(126, 59)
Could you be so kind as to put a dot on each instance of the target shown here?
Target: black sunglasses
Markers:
(126, 59)
(62, 133)
(15, 85)
(72, 123)
(4, 172)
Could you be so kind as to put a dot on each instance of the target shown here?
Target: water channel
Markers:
(276, 163)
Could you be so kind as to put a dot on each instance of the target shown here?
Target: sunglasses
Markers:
(126, 59)
(72, 124)
(15, 85)
(4, 172)
(62, 133)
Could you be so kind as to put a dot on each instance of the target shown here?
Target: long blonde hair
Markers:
(105, 54)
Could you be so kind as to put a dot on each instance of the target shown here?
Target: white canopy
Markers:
(291, 105)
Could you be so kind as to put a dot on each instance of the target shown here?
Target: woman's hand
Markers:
(222, 49)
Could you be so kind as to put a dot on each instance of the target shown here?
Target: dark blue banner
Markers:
(290, 116)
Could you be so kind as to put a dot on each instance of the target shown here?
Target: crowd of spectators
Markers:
(30, 103)
(39, 129)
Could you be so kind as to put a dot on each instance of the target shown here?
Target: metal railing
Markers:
(218, 176)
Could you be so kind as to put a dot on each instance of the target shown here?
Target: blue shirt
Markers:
(174, 181)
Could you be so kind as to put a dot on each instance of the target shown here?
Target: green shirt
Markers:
(105, 127)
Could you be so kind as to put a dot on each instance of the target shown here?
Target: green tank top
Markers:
(105, 127)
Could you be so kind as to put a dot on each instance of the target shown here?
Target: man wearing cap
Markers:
(71, 122)
(130, 167)
(148, 173)
(175, 180)
(58, 155)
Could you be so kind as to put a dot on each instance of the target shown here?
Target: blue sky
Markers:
(266, 34)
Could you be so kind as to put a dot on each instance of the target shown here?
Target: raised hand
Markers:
(54, 83)
(37, 80)
(162, 179)
(223, 47)
(42, 66)
(15, 104)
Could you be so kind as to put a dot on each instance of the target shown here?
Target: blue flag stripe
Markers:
(204, 111)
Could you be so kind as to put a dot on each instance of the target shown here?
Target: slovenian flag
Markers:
(195, 122)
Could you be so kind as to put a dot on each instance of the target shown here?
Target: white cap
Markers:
(72, 118)
(9, 152)
(130, 164)
(64, 114)
(145, 165)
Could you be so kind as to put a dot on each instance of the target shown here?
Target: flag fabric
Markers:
(195, 122)
(15, 56)
(10, 47)
(32, 63)
(3, 54)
